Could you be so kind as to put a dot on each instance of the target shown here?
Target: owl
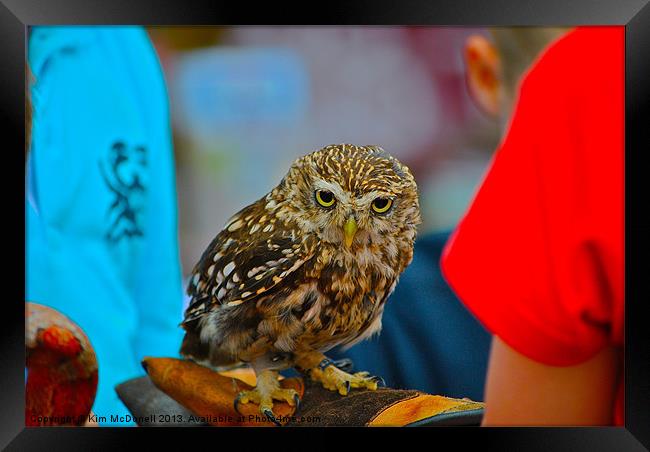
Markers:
(307, 267)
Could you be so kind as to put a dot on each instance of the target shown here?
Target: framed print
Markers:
(413, 215)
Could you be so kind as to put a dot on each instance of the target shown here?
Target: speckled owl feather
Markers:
(280, 280)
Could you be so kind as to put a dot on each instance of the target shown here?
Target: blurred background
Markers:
(247, 101)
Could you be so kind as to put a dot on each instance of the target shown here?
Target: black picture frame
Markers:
(15, 15)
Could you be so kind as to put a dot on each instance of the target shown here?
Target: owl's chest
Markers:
(347, 276)
(332, 322)
(349, 299)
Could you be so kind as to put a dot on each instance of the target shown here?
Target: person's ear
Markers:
(483, 73)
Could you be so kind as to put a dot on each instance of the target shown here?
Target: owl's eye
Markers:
(381, 205)
(325, 198)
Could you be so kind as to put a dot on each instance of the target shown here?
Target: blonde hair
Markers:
(518, 48)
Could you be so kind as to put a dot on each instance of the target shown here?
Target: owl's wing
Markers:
(250, 256)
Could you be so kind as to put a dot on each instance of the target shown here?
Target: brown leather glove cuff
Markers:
(197, 395)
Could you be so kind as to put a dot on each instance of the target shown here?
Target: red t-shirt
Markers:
(538, 257)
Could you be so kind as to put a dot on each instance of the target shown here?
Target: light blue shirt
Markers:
(101, 219)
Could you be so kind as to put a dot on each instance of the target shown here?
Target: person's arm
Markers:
(520, 391)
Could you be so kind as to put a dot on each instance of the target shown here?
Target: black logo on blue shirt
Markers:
(124, 173)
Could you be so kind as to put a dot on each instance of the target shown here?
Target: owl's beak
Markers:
(349, 229)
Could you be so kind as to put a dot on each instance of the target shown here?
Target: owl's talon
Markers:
(269, 414)
(379, 380)
(334, 379)
(236, 403)
(265, 393)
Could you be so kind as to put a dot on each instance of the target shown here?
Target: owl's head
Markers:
(351, 196)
